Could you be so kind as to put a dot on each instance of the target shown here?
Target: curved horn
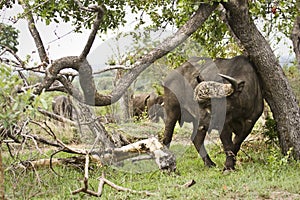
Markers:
(231, 80)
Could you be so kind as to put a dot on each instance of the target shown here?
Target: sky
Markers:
(71, 44)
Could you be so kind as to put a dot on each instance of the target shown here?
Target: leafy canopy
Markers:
(8, 37)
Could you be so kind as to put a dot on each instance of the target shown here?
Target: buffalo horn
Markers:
(231, 80)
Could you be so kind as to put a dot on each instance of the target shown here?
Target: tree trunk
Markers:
(277, 90)
(125, 100)
(295, 37)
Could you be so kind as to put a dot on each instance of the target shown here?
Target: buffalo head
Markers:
(150, 103)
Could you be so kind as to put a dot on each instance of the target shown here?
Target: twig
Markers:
(112, 68)
(34, 141)
(123, 189)
(51, 162)
(188, 184)
(12, 52)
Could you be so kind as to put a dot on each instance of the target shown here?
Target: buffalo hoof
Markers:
(230, 161)
(228, 168)
(209, 163)
(227, 171)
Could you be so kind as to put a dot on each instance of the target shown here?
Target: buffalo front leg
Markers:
(226, 138)
(198, 141)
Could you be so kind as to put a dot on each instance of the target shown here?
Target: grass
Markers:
(261, 173)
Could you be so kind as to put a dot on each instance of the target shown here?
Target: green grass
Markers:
(262, 173)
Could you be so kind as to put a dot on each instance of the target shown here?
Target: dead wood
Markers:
(188, 184)
(57, 117)
(102, 182)
(145, 149)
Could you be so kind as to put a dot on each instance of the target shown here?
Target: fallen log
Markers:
(149, 148)
(164, 158)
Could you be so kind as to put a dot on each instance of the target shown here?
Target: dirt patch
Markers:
(284, 195)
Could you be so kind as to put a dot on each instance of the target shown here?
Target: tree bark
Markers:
(295, 37)
(125, 100)
(36, 36)
(277, 90)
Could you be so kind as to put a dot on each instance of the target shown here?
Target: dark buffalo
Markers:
(61, 105)
(150, 103)
(224, 95)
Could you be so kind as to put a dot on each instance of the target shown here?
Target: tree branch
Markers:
(96, 25)
(36, 35)
(203, 12)
(91, 95)
(113, 67)
(102, 182)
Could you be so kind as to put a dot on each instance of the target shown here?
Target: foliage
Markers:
(270, 130)
(8, 37)
(278, 16)
(15, 104)
(277, 161)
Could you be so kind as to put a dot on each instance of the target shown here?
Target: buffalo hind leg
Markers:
(240, 137)
(226, 138)
(198, 141)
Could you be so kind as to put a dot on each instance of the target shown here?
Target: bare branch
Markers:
(13, 53)
(102, 182)
(109, 68)
(56, 117)
(87, 48)
(91, 8)
(36, 35)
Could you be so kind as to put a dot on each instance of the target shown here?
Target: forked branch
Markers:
(102, 182)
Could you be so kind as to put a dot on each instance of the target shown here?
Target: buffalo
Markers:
(222, 94)
(150, 103)
(62, 105)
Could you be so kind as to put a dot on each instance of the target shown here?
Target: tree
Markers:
(189, 16)
(277, 90)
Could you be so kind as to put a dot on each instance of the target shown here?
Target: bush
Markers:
(15, 104)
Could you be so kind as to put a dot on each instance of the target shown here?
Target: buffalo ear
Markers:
(240, 86)
(199, 79)
(146, 99)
